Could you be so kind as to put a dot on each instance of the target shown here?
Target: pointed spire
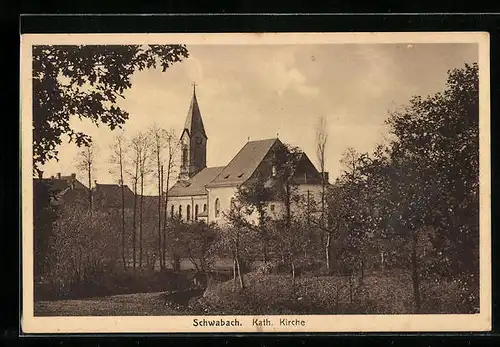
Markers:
(194, 122)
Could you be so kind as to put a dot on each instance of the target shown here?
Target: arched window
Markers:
(180, 211)
(274, 171)
(217, 208)
(196, 212)
(231, 203)
(204, 207)
(188, 212)
(172, 211)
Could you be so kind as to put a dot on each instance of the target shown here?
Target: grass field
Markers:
(140, 304)
(273, 294)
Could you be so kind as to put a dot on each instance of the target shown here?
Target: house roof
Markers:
(196, 184)
(60, 184)
(109, 195)
(66, 189)
(194, 122)
(243, 165)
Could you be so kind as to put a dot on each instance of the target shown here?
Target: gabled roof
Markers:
(109, 195)
(194, 123)
(306, 172)
(60, 184)
(196, 184)
(66, 189)
(243, 165)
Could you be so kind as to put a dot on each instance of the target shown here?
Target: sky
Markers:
(265, 91)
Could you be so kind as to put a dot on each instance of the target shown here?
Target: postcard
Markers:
(255, 182)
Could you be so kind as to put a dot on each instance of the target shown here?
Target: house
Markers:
(204, 193)
(62, 189)
(109, 196)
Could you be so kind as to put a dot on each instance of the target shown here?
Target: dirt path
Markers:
(139, 304)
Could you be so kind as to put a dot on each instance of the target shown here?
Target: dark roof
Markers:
(66, 189)
(306, 172)
(196, 184)
(60, 184)
(243, 165)
(194, 122)
(109, 195)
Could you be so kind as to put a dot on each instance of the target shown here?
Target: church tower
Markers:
(193, 142)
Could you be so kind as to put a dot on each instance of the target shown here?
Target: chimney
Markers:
(58, 175)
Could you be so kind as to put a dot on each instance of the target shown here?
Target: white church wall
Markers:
(224, 194)
(185, 201)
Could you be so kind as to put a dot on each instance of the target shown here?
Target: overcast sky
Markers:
(261, 91)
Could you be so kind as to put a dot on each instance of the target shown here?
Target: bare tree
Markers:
(117, 159)
(139, 147)
(172, 145)
(158, 141)
(321, 141)
(85, 163)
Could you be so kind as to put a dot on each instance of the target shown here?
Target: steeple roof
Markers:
(194, 123)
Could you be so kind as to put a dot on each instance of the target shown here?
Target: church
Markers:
(203, 193)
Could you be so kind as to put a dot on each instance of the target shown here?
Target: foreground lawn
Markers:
(140, 304)
(273, 294)
(376, 294)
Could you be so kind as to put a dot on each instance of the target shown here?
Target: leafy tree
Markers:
(435, 170)
(44, 215)
(285, 189)
(85, 81)
(255, 195)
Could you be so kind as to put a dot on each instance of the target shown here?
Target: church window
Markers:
(204, 207)
(272, 207)
(217, 208)
(231, 203)
(273, 173)
(188, 212)
(180, 211)
(196, 212)
(172, 211)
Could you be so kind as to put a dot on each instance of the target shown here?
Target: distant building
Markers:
(203, 193)
(63, 189)
(109, 196)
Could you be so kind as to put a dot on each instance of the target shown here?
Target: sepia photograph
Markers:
(255, 182)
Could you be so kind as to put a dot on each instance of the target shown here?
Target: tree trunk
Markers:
(123, 227)
(414, 269)
(235, 269)
(123, 211)
(89, 168)
(141, 223)
(328, 253)
(160, 253)
(164, 227)
(237, 257)
(134, 218)
(242, 285)
(293, 273)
